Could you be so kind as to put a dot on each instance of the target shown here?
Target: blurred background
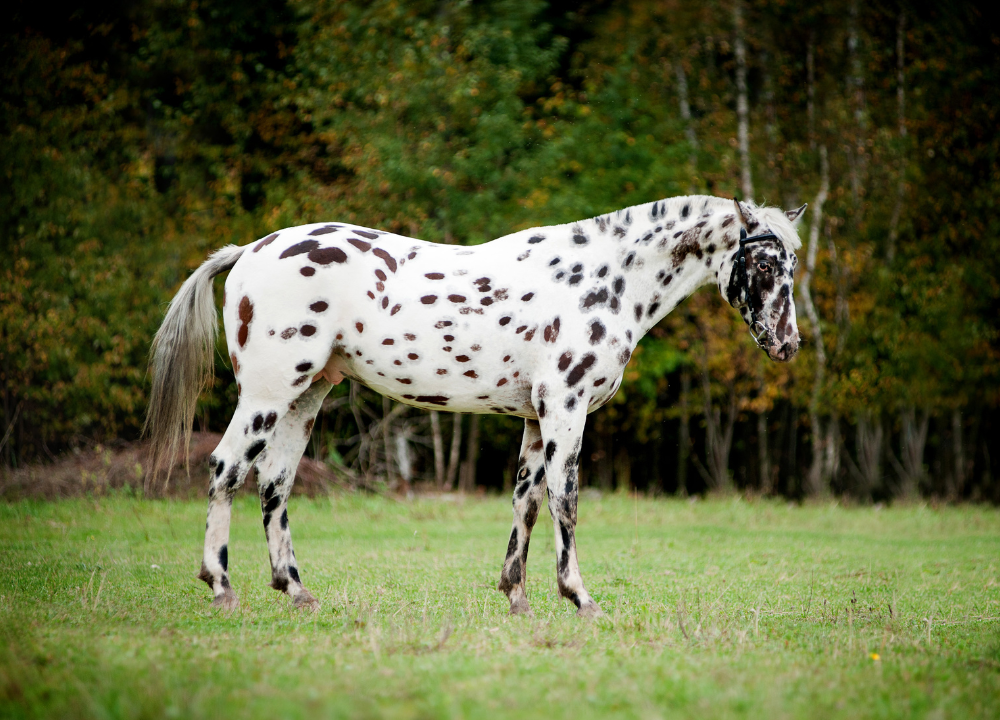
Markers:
(138, 137)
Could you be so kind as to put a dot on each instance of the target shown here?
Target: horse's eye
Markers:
(763, 267)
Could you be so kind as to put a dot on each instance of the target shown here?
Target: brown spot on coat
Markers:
(597, 331)
(246, 317)
(265, 242)
(360, 244)
(300, 248)
(552, 331)
(325, 256)
(688, 245)
(595, 298)
(580, 369)
(320, 306)
(389, 260)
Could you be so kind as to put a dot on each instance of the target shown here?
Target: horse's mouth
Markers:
(782, 352)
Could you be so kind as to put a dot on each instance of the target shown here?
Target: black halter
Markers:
(741, 261)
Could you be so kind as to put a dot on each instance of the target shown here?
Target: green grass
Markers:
(722, 608)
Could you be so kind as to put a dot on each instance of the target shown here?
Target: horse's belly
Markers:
(433, 385)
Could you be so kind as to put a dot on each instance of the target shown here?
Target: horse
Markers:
(538, 324)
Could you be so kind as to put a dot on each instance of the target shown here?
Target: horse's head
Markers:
(760, 286)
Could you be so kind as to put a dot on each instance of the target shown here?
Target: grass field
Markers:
(719, 608)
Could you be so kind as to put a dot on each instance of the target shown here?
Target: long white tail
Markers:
(181, 361)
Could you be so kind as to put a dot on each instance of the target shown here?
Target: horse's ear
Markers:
(796, 215)
(745, 214)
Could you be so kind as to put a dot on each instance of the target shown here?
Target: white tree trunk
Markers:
(685, 108)
(816, 482)
(685, 434)
(742, 106)
(456, 446)
(438, 440)
(811, 89)
(869, 437)
(912, 440)
(958, 451)
(404, 459)
(718, 437)
(897, 209)
(390, 474)
(467, 482)
(857, 152)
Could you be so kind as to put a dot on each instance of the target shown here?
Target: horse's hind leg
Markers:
(528, 495)
(248, 434)
(275, 475)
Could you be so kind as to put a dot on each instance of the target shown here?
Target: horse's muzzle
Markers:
(782, 353)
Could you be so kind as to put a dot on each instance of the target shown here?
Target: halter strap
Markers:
(744, 280)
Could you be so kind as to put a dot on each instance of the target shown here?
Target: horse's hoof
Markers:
(306, 601)
(520, 607)
(590, 611)
(227, 601)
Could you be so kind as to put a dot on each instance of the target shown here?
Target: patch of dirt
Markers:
(100, 469)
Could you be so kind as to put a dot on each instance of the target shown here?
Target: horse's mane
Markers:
(780, 225)
(771, 217)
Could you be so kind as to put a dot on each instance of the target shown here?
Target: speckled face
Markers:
(770, 274)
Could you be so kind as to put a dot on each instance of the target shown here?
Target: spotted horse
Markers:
(539, 324)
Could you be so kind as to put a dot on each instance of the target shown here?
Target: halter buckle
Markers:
(759, 336)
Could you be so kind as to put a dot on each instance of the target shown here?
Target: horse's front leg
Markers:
(528, 494)
(562, 423)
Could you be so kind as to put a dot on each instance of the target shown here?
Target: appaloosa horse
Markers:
(539, 324)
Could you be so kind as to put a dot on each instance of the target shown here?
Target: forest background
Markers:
(138, 137)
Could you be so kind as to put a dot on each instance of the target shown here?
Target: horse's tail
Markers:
(181, 361)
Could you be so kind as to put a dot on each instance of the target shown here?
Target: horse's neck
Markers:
(688, 248)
